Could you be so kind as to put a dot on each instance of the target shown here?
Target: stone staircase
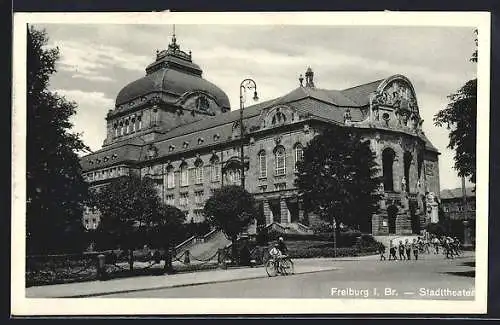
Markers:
(291, 228)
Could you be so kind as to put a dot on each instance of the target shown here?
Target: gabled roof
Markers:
(361, 94)
(333, 97)
(456, 193)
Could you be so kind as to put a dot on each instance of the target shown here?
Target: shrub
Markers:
(329, 252)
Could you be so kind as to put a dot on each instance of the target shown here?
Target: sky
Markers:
(98, 60)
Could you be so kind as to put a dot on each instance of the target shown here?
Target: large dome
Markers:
(172, 74)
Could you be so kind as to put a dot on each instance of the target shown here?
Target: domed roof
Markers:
(173, 74)
(173, 83)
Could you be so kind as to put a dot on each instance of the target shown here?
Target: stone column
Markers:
(284, 213)
(434, 212)
(268, 215)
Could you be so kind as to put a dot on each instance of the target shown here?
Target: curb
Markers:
(181, 285)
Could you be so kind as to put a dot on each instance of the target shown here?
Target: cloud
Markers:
(98, 60)
(89, 119)
(90, 60)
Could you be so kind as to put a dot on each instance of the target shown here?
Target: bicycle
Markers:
(283, 265)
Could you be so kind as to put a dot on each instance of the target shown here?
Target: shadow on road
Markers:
(471, 264)
(469, 274)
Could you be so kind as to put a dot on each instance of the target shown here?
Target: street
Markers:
(432, 277)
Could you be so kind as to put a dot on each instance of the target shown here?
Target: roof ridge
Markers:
(367, 83)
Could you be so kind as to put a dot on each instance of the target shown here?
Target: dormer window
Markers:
(171, 148)
(114, 156)
(200, 141)
(216, 136)
(185, 144)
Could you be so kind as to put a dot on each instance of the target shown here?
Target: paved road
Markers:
(351, 279)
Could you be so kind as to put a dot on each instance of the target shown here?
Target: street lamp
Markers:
(247, 84)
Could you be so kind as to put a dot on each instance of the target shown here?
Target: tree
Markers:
(230, 209)
(460, 117)
(165, 230)
(54, 184)
(129, 206)
(337, 178)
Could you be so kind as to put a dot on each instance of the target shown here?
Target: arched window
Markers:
(139, 120)
(133, 123)
(184, 175)
(115, 127)
(407, 157)
(235, 176)
(198, 172)
(279, 158)
(122, 128)
(170, 177)
(262, 164)
(299, 154)
(127, 123)
(154, 117)
(215, 169)
(388, 156)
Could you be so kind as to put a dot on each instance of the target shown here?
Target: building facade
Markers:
(177, 128)
(459, 213)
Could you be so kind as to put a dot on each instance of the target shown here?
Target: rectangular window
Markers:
(170, 179)
(184, 200)
(262, 165)
(184, 176)
(280, 162)
(198, 215)
(198, 197)
(198, 175)
(235, 177)
(139, 119)
(170, 199)
(215, 172)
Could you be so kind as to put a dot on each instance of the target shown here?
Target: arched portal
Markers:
(388, 156)
(392, 213)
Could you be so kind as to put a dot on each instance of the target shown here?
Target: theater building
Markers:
(176, 127)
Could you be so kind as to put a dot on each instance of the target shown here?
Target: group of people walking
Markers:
(449, 246)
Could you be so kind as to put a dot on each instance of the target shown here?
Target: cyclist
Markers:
(276, 255)
(282, 246)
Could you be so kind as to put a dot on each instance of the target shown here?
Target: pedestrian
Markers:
(381, 250)
(415, 247)
(392, 251)
(449, 247)
(436, 242)
(401, 250)
(408, 249)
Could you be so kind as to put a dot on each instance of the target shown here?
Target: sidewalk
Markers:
(151, 282)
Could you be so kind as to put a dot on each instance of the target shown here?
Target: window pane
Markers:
(262, 165)
(280, 161)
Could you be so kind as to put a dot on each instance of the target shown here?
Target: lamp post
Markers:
(246, 84)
